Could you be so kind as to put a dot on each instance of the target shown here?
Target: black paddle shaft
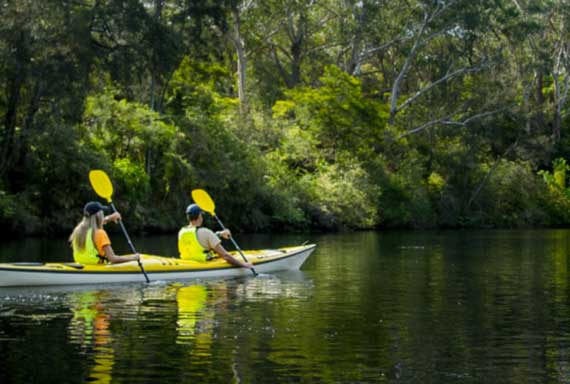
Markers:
(130, 244)
(235, 245)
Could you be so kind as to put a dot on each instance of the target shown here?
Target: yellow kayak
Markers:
(156, 267)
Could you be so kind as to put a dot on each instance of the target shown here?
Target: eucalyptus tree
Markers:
(363, 29)
(238, 10)
(551, 53)
(294, 34)
(440, 35)
(561, 65)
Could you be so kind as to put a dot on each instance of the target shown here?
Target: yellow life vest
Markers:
(189, 246)
(89, 254)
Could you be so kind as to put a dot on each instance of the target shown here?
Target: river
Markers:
(367, 307)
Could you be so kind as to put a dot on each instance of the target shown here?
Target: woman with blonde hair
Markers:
(90, 242)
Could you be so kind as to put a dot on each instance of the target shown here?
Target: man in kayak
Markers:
(90, 242)
(197, 243)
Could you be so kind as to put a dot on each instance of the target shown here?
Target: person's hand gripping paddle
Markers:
(206, 203)
(104, 188)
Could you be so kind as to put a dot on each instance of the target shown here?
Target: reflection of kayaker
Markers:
(90, 325)
(191, 301)
(83, 306)
(90, 242)
(196, 312)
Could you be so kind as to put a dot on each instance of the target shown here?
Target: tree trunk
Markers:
(297, 36)
(158, 5)
(239, 45)
(296, 51)
(407, 63)
(6, 151)
(539, 99)
(539, 86)
(242, 66)
(560, 97)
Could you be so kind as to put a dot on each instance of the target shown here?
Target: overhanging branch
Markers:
(437, 82)
(447, 121)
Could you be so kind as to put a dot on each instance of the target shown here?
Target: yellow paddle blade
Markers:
(101, 184)
(204, 201)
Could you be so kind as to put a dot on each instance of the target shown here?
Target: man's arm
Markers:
(226, 234)
(220, 250)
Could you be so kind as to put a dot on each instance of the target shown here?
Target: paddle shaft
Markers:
(235, 244)
(130, 243)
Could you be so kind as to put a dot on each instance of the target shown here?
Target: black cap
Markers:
(93, 207)
(193, 211)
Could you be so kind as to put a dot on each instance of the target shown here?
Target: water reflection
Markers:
(453, 307)
(90, 328)
(194, 323)
(195, 317)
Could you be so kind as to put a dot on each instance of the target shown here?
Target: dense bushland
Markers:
(293, 115)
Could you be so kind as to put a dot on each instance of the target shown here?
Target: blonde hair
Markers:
(79, 234)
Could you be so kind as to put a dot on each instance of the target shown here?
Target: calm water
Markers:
(409, 307)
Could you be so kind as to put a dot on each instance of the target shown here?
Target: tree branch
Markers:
(446, 121)
(484, 181)
(437, 82)
(404, 70)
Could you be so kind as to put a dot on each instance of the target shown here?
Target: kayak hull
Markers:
(156, 267)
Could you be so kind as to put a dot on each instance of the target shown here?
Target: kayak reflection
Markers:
(90, 327)
(195, 321)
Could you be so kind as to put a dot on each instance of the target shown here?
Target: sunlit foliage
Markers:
(294, 115)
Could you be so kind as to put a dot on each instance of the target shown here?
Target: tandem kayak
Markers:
(156, 267)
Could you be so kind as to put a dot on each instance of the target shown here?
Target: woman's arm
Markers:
(114, 259)
(114, 217)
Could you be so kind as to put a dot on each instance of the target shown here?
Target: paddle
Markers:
(104, 188)
(206, 203)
